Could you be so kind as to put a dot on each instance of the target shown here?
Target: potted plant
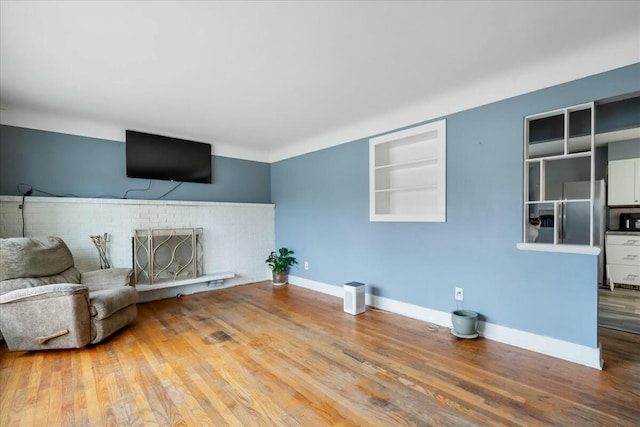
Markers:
(465, 323)
(279, 263)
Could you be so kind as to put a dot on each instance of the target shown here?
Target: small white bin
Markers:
(354, 298)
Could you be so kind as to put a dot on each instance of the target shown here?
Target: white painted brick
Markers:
(237, 237)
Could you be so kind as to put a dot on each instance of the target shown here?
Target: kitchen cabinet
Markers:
(624, 182)
(623, 258)
(407, 174)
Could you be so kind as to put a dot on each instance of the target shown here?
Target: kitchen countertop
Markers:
(623, 233)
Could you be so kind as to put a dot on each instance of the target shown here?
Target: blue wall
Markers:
(322, 212)
(624, 150)
(65, 164)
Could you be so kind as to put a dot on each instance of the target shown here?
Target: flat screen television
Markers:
(161, 157)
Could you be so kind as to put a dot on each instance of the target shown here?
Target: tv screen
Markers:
(160, 157)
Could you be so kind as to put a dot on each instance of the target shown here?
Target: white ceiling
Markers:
(268, 80)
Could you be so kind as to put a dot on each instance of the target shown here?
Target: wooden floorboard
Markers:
(620, 309)
(259, 355)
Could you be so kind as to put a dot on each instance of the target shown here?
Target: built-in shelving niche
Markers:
(407, 178)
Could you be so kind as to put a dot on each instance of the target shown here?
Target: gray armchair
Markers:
(46, 303)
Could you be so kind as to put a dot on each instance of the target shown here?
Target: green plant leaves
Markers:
(280, 261)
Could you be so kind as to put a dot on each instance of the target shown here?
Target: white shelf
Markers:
(213, 277)
(617, 135)
(567, 249)
(560, 157)
(555, 147)
(413, 163)
(540, 202)
(408, 188)
(417, 217)
(579, 142)
(407, 174)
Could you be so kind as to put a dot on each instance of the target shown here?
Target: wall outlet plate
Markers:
(459, 294)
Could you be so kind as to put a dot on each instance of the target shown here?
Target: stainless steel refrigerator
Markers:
(572, 223)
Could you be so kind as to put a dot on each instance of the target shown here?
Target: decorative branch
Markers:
(101, 245)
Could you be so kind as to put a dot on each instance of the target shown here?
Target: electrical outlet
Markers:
(459, 294)
(306, 265)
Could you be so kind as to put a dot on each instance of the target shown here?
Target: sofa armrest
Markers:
(43, 292)
(46, 317)
(101, 279)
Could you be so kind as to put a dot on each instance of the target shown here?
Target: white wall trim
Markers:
(611, 54)
(553, 347)
(100, 201)
(619, 51)
(336, 291)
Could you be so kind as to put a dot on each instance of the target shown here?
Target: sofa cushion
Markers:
(105, 302)
(43, 292)
(70, 275)
(33, 257)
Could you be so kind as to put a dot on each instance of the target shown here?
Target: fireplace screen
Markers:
(167, 254)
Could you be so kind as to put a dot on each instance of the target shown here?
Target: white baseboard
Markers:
(336, 291)
(554, 347)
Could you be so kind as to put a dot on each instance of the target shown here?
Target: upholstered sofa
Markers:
(46, 303)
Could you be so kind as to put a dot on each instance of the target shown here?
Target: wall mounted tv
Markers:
(160, 157)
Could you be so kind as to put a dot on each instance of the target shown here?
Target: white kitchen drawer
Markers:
(627, 274)
(623, 239)
(621, 254)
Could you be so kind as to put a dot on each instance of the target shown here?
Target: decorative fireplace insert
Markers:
(167, 254)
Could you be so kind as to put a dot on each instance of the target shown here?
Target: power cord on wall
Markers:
(28, 193)
(31, 190)
(170, 191)
(136, 189)
(148, 187)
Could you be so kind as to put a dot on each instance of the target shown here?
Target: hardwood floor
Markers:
(620, 309)
(258, 355)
